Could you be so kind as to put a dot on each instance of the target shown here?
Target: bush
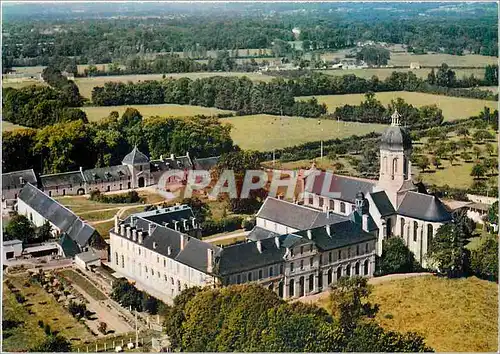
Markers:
(228, 224)
(47, 330)
(40, 324)
(248, 224)
(396, 258)
(484, 260)
(129, 197)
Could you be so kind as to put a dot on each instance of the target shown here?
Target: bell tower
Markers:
(395, 152)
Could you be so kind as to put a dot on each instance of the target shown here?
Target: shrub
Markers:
(47, 330)
(129, 197)
(228, 224)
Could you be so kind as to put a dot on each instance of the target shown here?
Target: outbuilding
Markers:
(88, 259)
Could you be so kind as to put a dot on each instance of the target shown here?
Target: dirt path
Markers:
(311, 299)
(120, 212)
(225, 237)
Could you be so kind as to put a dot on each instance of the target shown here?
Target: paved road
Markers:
(376, 280)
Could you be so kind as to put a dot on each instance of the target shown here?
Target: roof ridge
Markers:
(299, 205)
(60, 173)
(8, 173)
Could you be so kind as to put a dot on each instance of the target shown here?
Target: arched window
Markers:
(342, 207)
(339, 273)
(178, 285)
(402, 232)
(405, 167)
(366, 265)
(311, 282)
(321, 202)
(260, 274)
(394, 166)
(271, 271)
(332, 205)
(385, 164)
(329, 277)
(357, 250)
(430, 234)
(348, 270)
(250, 276)
(415, 229)
(291, 288)
(356, 268)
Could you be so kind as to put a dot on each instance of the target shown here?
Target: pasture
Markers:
(383, 73)
(86, 84)
(266, 132)
(435, 60)
(453, 107)
(163, 110)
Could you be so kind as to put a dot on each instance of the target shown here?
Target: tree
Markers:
(447, 252)
(465, 144)
(77, 309)
(463, 131)
(348, 302)
(431, 77)
(53, 343)
(436, 161)
(452, 158)
(478, 171)
(21, 228)
(396, 258)
(493, 213)
(481, 135)
(103, 327)
(484, 259)
(465, 156)
(490, 148)
(422, 162)
(44, 232)
(477, 151)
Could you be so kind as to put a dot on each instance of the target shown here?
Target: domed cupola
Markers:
(395, 138)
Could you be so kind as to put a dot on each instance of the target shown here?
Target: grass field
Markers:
(45, 308)
(470, 60)
(266, 132)
(383, 73)
(163, 110)
(452, 314)
(20, 83)
(86, 84)
(83, 283)
(453, 107)
(8, 126)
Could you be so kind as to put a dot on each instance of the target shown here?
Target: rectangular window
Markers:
(291, 267)
(164, 263)
(311, 261)
(301, 264)
(260, 274)
(281, 268)
(357, 250)
(320, 259)
(311, 200)
(271, 271)
(301, 249)
(238, 279)
(320, 202)
(249, 276)
(329, 257)
(340, 255)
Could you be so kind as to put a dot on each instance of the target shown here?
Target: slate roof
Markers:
(246, 256)
(69, 247)
(175, 163)
(195, 254)
(13, 179)
(168, 215)
(348, 187)
(104, 174)
(57, 214)
(259, 233)
(382, 203)
(410, 185)
(423, 207)
(88, 256)
(358, 219)
(395, 138)
(11, 242)
(295, 216)
(73, 178)
(206, 163)
(135, 157)
(342, 234)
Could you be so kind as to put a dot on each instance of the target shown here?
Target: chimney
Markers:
(175, 225)
(365, 222)
(128, 231)
(141, 238)
(134, 234)
(193, 219)
(183, 241)
(21, 181)
(210, 260)
(184, 223)
(122, 229)
(155, 245)
(131, 221)
(150, 228)
(259, 246)
(169, 251)
(277, 242)
(328, 230)
(139, 234)
(117, 227)
(309, 234)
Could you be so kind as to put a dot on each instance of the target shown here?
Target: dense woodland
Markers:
(322, 27)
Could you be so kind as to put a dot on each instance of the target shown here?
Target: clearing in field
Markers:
(164, 110)
(453, 107)
(435, 60)
(86, 84)
(383, 73)
(265, 132)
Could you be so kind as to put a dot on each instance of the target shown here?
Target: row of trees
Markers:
(67, 146)
(128, 295)
(66, 87)
(232, 93)
(21, 228)
(251, 318)
(372, 111)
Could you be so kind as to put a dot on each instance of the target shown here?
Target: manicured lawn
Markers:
(83, 283)
(81, 204)
(266, 132)
(86, 84)
(383, 73)
(452, 107)
(452, 314)
(103, 228)
(98, 215)
(45, 308)
(163, 110)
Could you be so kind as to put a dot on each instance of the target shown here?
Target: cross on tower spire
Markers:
(395, 118)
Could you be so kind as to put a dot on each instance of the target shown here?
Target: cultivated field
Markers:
(453, 107)
(163, 110)
(266, 132)
(470, 60)
(383, 73)
(86, 84)
(20, 82)
(454, 315)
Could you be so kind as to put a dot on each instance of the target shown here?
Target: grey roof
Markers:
(168, 216)
(57, 214)
(135, 157)
(206, 163)
(11, 242)
(104, 174)
(88, 256)
(295, 216)
(395, 138)
(175, 163)
(382, 203)
(246, 256)
(195, 254)
(17, 179)
(342, 234)
(423, 207)
(358, 219)
(410, 185)
(347, 187)
(73, 178)
(259, 233)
